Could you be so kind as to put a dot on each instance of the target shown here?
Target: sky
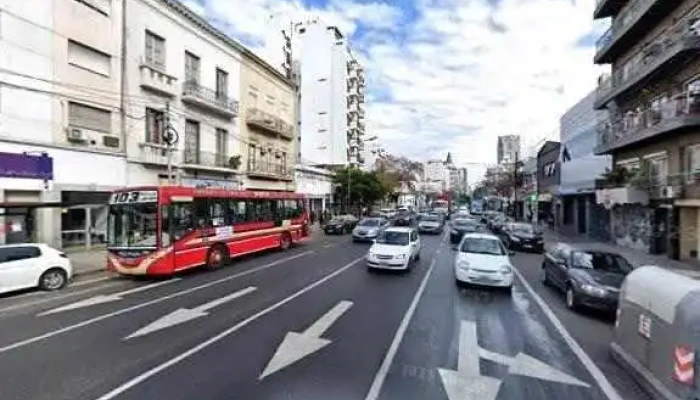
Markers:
(447, 75)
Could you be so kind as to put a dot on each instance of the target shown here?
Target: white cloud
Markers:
(460, 74)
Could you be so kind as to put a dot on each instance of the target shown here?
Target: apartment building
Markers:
(508, 149)
(183, 82)
(268, 126)
(436, 176)
(653, 132)
(61, 146)
(332, 110)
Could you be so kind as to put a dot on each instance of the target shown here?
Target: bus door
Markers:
(187, 230)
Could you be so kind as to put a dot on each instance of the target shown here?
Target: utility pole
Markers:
(515, 181)
(166, 127)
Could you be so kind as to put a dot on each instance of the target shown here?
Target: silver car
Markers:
(368, 229)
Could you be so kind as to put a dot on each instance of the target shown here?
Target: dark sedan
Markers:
(522, 236)
(588, 278)
(458, 227)
(340, 225)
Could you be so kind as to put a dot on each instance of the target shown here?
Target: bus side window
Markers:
(299, 209)
(251, 209)
(265, 211)
(182, 219)
(201, 212)
(278, 209)
(217, 211)
(237, 211)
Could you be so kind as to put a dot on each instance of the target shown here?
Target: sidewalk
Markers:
(637, 258)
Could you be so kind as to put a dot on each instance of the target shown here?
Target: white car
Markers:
(394, 248)
(30, 265)
(483, 260)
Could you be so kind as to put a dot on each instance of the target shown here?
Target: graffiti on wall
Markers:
(632, 226)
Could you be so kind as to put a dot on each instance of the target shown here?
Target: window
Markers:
(221, 84)
(87, 58)
(692, 162)
(253, 97)
(155, 51)
(252, 155)
(84, 116)
(17, 253)
(221, 142)
(182, 220)
(217, 212)
(237, 209)
(693, 90)
(658, 169)
(154, 126)
(191, 68)
(192, 141)
(264, 211)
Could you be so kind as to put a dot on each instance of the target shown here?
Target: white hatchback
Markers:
(483, 260)
(29, 265)
(394, 248)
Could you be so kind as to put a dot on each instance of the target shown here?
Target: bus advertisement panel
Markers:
(162, 230)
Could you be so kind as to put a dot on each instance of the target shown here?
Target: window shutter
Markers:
(83, 116)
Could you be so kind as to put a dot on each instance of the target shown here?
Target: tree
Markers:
(364, 188)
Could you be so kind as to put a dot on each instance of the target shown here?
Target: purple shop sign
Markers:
(26, 166)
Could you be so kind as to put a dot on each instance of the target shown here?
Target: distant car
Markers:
(460, 227)
(404, 217)
(388, 213)
(340, 225)
(482, 259)
(589, 278)
(487, 215)
(522, 236)
(368, 229)
(497, 223)
(394, 248)
(30, 265)
(431, 223)
(461, 214)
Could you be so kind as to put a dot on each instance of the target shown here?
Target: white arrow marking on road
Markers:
(182, 315)
(296, 346)
(104, 298)
(525, 365)
(467, 383)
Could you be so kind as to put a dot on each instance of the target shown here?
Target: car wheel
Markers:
(571, 302)
(418, 255)
(508, 290)
(545, 277)
(53, 279)
(217, 256)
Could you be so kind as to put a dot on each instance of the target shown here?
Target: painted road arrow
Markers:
(467, 383)
(525, 365)
(183, 315)
(104, 298)
(296, 346)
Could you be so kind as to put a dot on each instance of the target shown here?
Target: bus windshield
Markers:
(132, 225)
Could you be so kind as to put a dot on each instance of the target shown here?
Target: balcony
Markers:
(268, 123)
(193, 159)
(157, 81)
(665, 52)
(608, 8)
(629, 26)
(269, 170)
(195, 94)
(676, 115)
(156, 154)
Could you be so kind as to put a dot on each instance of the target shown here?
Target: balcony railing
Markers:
(630, 16)
(269, 170)
(198, 159)
(156, 154)
(662, 52)
(269, 123)
(155, 80)
(682, 111)
(193, 92)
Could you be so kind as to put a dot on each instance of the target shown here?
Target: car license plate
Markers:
(383, 262)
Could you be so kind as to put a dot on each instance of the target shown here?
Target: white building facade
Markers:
(184, 74)
(508, 150)
(316, 184)
(61, 147)
(332, 97)
(436, 176)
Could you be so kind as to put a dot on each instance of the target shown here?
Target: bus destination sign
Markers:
(136, 196)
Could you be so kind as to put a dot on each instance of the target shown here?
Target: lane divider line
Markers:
(585, 359)
(59, 297)
(103, 317)
(196, 349)
(383, 371)
(87, 282)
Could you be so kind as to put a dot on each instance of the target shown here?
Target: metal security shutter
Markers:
(83, 116)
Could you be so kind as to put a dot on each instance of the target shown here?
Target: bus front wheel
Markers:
(217, 256)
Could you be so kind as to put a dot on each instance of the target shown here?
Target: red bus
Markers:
(165, 229)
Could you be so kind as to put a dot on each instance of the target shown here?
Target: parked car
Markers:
(588, 278)
(340, 225)
(431, 223)
(522, 236)
(30, 265)
(368, 229)
(460, 227)
(482, 260)
(394, 248)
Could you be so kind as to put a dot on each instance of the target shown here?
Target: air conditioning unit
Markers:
(76, 135)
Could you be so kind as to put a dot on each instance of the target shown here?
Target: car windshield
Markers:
(393, 238)
(464, 223)
(523, 228)
(337, 221)
(482, 246)
(600, 261)
(370, 222)
(132, 225)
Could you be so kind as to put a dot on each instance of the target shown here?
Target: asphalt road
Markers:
(309, 323)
